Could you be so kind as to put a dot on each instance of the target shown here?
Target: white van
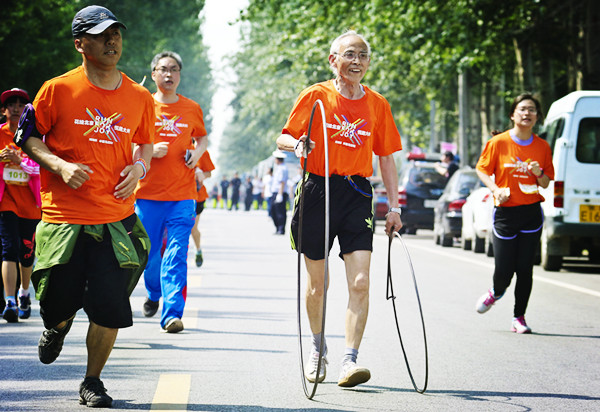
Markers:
(572, 205)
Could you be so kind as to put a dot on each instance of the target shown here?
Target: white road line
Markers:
(491, 266)
(172, 392)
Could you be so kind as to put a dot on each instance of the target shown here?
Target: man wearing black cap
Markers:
(91, 118)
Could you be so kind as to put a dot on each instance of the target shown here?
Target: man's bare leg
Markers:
(315, 293)
(357, 275)
(99, 342)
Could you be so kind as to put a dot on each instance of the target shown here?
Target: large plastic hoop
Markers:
(318, 103)
(390, 296)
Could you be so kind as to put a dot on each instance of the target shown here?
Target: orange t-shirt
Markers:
(18, 197)
(169, 178)
(85, 124)
(508, 158)
(356, 129)
(206, 165)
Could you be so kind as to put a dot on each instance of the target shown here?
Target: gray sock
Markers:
(316, 341)
(350, 355)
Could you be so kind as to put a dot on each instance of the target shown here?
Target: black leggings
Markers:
(517, 232)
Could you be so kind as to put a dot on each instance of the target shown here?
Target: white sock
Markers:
(23, 292)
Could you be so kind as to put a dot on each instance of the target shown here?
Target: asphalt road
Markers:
(239, 349)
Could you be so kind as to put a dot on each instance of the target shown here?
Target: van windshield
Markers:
(588, 140)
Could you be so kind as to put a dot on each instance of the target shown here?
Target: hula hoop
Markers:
(390, 296)
(319, 103)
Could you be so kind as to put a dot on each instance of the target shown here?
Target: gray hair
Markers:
(164, 54)
(335, 46)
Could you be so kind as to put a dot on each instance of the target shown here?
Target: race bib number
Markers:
(15, 176)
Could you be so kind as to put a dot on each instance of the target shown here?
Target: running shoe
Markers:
(93, 393)
(24, 307)
(519, 325)
(352, 375)
(150, 308)
(10, 312)
(199, 259)
(486, 301)
(310, 370)
(173, 325)
(51, 343)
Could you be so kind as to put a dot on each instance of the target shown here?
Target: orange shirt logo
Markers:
(169, 127)
(102, 125)
(348, 133)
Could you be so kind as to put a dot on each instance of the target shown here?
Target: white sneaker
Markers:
(174, 325)
(486, 301)
(519, 325)
(352, 375)
(310, 370)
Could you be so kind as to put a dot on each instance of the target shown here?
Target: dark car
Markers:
(448, 214)
(420, 185)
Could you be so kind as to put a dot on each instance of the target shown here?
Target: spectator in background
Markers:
(235, 184)
(166, 198)
(214, 195)
(203, 171)
(224, 187)
(447, 166)
(279, 195)
(20, 208)
(257, 190)
(267, 188)
(248, 195)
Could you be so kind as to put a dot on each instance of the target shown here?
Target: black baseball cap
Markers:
(93, 20)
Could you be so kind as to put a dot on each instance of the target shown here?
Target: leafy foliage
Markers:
(36, 42)
(419, 49)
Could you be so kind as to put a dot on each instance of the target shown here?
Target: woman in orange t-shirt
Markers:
(521, 162)
(203, 170)
(20, 209)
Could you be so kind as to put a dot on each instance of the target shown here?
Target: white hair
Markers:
(335, 46)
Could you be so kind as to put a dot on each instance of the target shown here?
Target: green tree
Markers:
(36, 42)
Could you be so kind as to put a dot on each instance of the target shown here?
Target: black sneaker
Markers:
(93, 394)
(150, 307)
(10, 312)
(51, 343)
(24, 307)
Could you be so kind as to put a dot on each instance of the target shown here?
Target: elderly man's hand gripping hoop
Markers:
(301, 150)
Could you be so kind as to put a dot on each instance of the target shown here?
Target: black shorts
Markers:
(511, 221)
(199, 207)
(350, 211)
(17, 235)
(92, 280)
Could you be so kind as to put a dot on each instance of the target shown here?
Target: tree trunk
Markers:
(591, 75)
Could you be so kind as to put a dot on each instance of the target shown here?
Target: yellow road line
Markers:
(172, 392)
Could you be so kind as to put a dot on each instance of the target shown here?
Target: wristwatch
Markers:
(395, 210)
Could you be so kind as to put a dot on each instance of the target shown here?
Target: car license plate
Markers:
(589, 213)
(429, 202)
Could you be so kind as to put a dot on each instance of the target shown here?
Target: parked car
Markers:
(381, 206)
(572, 200)
(420, 186)
(448, 209)
(477, 221)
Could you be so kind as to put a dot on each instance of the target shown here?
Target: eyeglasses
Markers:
(350, 56)
(165, 70)
(531, 110)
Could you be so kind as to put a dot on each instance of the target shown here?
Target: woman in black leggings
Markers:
(520, 162)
